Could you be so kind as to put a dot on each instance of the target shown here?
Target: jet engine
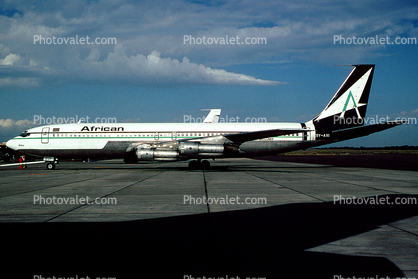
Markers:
(196, 149)
(184, 151)
(155, 154)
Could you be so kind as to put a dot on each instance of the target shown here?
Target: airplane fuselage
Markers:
(112, 140)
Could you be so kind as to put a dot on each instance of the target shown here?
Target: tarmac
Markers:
(242, 218)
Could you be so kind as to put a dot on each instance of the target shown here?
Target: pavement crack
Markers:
(265, 179)
(206, 191)
(112, 193)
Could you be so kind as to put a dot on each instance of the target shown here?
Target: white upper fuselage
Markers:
(95, 136)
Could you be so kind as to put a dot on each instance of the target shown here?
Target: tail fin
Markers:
(213, 116)
(347, 108)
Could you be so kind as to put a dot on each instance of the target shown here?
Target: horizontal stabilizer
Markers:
(362, 131)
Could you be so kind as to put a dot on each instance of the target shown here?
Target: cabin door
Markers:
(45, 135)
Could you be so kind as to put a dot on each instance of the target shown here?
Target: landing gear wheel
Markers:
(205, 165)
(194, 165)
(50, 166)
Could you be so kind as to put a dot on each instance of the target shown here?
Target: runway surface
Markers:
(243, 217)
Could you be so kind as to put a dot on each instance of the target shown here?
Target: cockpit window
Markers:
(25, 134)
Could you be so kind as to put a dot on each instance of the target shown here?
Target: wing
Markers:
(230, 139)
(249, 136)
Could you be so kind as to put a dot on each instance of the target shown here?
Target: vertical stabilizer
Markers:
(213, 116)
(348, 106)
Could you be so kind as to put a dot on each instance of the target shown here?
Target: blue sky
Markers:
(151, 75)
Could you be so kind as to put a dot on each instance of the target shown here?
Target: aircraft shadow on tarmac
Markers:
(239, 168)
(184, 167)
(265, 242)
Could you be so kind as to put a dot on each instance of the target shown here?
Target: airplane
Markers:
(341, 119)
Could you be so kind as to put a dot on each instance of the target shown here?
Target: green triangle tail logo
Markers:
(350, 97)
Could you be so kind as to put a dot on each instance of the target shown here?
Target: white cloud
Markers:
(6, 123)
(153, 69)
(24, 123)
(19, 82)
(10, 123)
(151, 51)
(412, 113)
(10, 128)
(119, 68)
(10, 59)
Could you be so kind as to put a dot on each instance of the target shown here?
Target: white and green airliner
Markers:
(342, 119)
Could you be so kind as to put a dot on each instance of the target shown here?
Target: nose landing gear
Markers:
(51, 162)
(50, 166)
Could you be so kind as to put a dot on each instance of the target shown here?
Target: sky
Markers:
(164, 61)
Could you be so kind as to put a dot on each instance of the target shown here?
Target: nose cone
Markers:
(12, 144)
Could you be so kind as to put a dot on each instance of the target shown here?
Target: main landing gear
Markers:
(199, 165)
